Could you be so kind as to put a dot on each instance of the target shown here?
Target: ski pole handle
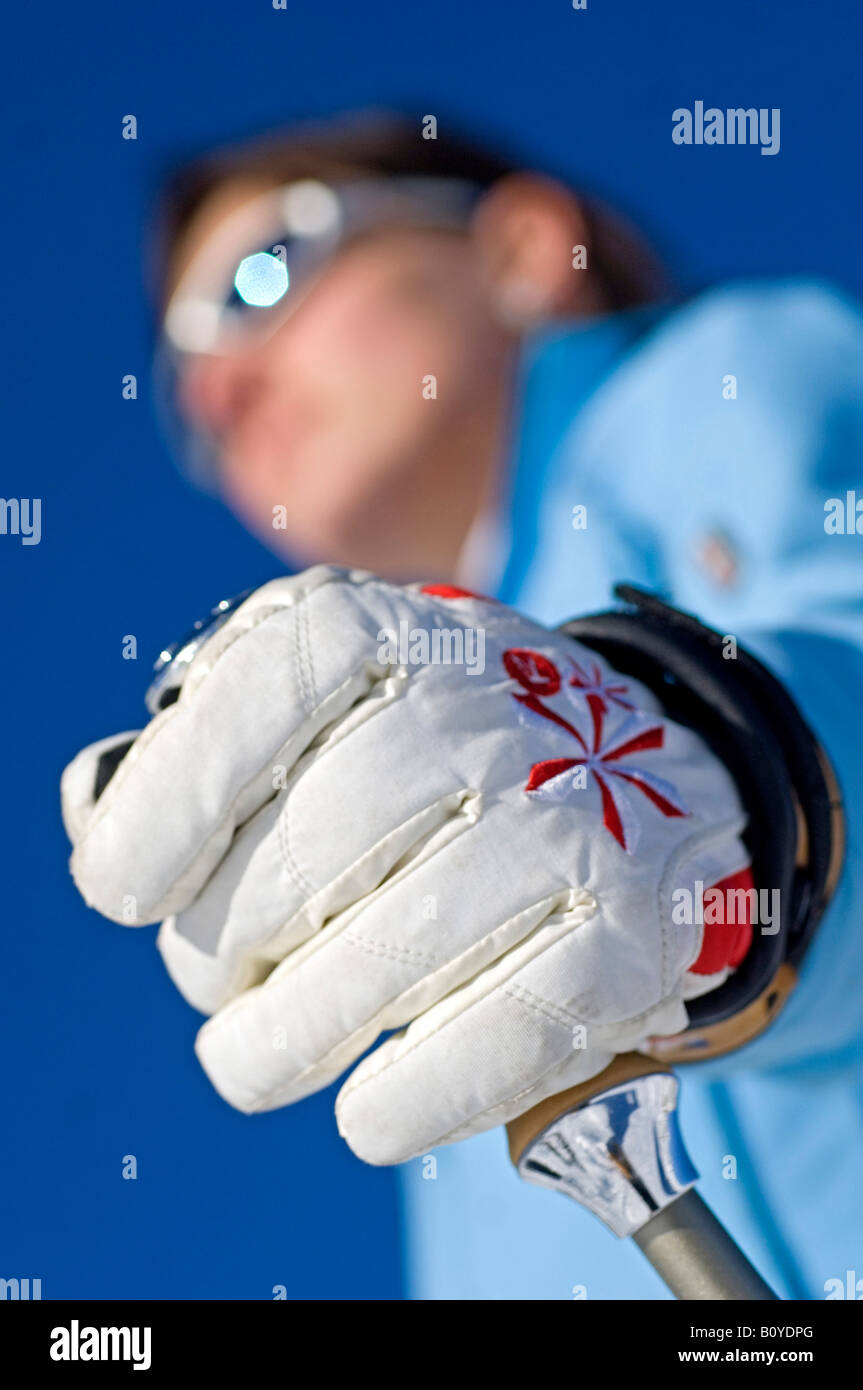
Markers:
(613, 1143)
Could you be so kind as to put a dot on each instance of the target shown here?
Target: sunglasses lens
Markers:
(261, 280)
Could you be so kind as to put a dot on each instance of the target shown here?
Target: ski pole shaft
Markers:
(693, 1252)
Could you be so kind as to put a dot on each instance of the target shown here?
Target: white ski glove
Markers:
(347, 833)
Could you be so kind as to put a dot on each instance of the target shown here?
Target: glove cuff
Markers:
(790, 793)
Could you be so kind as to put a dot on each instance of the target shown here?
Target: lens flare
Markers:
(261, 280)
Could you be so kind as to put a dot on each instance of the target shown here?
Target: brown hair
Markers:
(387, 145)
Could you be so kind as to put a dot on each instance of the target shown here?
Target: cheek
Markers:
(350, 402)
(375, 352)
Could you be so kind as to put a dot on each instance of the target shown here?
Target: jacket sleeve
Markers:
(792, 460)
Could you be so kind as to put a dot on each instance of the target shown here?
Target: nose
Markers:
(215, 391)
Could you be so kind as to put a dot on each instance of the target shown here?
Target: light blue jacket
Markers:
(705, 442)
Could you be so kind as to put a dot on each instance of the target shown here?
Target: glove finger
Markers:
(434, 925)
(258, 906)
(253, 700)
(86, 777)
(485, 1054)
(346, 816)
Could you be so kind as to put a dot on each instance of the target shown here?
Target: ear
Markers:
(526, 232)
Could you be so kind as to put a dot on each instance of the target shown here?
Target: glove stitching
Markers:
(305, 663)
(468, 1127)
(403, 953)
(222, 641)
(295, 596)
(272, 1098)
(543, 1006)
(352, 1086)
(309, 890)
(306, 887)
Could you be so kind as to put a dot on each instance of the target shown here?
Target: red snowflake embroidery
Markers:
(556, 779)
(532, 670)
(583, 684)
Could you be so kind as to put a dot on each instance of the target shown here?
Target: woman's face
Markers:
(364, 423)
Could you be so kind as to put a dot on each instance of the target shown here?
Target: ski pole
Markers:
(614, 1145)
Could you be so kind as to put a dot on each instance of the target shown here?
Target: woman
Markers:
(400, 353)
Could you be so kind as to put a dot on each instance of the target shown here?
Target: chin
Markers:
(329, 519)
(310, 543)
